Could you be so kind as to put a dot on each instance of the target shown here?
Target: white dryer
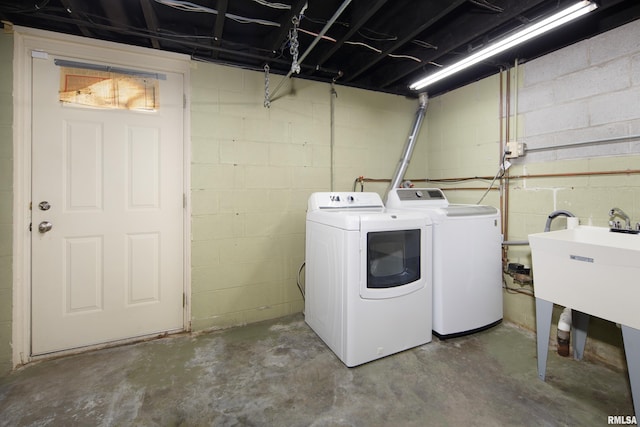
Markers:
(367, 276)
(467, 260)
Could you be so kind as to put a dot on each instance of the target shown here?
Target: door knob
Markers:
(44, 226)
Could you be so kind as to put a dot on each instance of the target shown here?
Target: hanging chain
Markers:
(267, 101)
(294, 45)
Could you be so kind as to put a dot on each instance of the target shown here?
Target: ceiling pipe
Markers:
(313, 44)
(403, 164)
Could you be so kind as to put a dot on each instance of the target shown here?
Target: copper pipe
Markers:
(446, 180)
(376, 180)
(541, 175)
(503, 142)
(468, 188)
(455, 180)
(505, 178)
(488, 178)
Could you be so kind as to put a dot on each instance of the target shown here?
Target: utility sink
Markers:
(589, 269)
(595, 272)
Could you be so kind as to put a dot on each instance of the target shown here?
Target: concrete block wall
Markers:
(587, 197)
(253, 170)
(462, 131)
(587, 92)
(578, 113)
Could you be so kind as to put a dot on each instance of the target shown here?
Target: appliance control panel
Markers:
(344, 200)
(401, 198)
(420, 194)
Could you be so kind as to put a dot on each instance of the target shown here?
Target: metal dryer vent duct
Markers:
(403, 164)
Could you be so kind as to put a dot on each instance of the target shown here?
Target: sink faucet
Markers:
(617, 212)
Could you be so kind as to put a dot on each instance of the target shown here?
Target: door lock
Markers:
(44, 226)
(44, 206)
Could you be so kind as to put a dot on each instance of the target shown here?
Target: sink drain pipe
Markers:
(403, 164)
(564, 322)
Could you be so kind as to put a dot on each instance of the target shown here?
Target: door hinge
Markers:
(184, 100)
(184, 299)
(39, 54)
(184, 201)
(30, 226)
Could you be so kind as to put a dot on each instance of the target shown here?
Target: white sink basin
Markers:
(590, 269)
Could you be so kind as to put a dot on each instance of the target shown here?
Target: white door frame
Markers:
(27, 40)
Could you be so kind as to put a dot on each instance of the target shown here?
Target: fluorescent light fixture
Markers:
(522, 36)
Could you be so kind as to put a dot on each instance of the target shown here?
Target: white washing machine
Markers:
(467, 260)
(367, 276)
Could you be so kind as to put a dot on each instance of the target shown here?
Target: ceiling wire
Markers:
(187, 6)
(36, 7)
(164, 35)
(40, 6)
(383, 37)
(485, 4)
(368, 46)
(324, 21)
(161, 34)
(192, 7)
(273, 5)
(424, 44)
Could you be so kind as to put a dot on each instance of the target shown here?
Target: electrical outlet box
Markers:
(515, 148)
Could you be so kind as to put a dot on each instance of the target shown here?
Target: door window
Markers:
(393, 258)
(108, 89)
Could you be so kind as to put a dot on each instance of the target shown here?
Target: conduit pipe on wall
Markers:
(315, 41)
(515, 100)
(332, 107)
(572, 174)
(595, 142)
(501, 145)
(515, 243)
(403, 164)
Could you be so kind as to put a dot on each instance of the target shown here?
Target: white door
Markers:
(111, 266)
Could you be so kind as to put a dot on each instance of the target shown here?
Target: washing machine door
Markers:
(395, 254)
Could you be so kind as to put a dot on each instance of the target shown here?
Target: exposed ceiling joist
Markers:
(378, 45)
(417, 21)
(218, 27)
(151, 21)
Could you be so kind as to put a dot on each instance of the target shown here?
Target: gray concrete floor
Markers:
(279, 373)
